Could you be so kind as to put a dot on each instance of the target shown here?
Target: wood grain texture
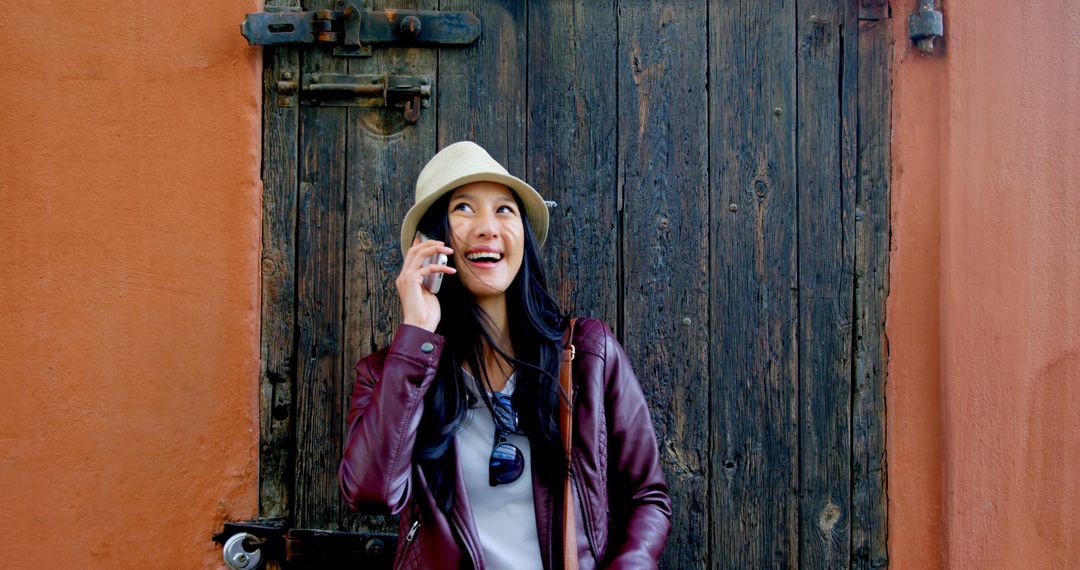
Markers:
(278, 284)
(572, 149)
(482, 88)
(827, 66)
(869, 499)
(753, 310)
(722, 181)
(383, 157)
(320, 270)
(663, 175)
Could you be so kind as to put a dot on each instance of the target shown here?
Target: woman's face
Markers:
(487, 237)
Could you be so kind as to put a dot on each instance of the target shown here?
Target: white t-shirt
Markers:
(504, 515)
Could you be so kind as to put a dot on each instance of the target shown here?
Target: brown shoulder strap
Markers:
(566, 425)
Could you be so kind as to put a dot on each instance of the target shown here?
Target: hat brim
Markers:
(531, 201)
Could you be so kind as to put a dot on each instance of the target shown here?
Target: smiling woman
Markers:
(447, 419)
(486, 234)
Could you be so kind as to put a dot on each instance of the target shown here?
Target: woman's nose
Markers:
(486, 226)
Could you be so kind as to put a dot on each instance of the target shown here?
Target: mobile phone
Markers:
(433, 280)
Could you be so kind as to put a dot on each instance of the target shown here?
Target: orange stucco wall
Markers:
(984, 311)
(129, 224)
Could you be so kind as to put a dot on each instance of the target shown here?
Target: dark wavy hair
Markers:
(537, 327)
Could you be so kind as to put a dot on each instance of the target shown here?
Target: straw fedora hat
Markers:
(462, 163)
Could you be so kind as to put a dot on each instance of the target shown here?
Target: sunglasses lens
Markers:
(507, 464)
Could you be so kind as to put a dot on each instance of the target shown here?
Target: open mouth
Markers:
(484, 257)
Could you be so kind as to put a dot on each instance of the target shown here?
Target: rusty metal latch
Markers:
(409, 92)
(354, 28)
(250, 543)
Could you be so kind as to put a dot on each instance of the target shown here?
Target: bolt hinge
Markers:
(408, 92)
(353, 29)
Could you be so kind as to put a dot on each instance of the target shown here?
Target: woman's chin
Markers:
(484, 290)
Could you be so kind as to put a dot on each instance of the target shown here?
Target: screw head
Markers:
(286, 75)
(733, 207)
(778, 111)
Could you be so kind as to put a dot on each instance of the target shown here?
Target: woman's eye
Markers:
(462, 207)
(506, 209)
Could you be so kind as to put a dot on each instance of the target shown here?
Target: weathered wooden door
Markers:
(721, 176)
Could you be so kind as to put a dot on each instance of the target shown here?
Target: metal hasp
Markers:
(410, 92)
(271, 540)
(924, 25)
(353, 29)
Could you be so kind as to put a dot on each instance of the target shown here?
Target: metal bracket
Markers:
(924, 25)
(873, 9)
(354, 28)
(410, 92)
(273, 540)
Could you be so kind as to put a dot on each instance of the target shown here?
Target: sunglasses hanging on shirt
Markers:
(507, 463)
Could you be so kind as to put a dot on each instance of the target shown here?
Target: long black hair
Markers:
(536, 329)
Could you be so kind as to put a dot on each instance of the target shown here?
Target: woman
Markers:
(455, 426)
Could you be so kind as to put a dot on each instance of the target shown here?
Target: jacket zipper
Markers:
(409, 536)
(412, 531)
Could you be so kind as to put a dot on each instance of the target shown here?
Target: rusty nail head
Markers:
(410, 26)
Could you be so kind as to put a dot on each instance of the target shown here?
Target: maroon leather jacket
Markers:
(624, 512)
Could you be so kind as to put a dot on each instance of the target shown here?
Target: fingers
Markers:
(419, 251)
(434, 268)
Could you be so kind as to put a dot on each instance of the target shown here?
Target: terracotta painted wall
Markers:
(984, 310)
(129, 247)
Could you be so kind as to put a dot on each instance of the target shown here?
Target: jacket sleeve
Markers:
(638, 493)
(385, 409)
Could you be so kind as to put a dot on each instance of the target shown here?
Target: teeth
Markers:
(483, 256)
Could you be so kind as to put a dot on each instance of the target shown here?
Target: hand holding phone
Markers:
(420, 278)
(433, 280)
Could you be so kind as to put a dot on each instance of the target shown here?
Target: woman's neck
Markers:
(496, 368)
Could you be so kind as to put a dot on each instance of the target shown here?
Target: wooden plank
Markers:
(320, 269)
(663, 167)
(826, 133)
(753, 310)
(383, 157)
(278, 282)
(572, 149)
(482, 88)
(869, 506)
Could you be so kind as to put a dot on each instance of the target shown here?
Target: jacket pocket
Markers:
(584, 509)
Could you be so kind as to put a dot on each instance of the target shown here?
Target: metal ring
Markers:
(239, 558)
